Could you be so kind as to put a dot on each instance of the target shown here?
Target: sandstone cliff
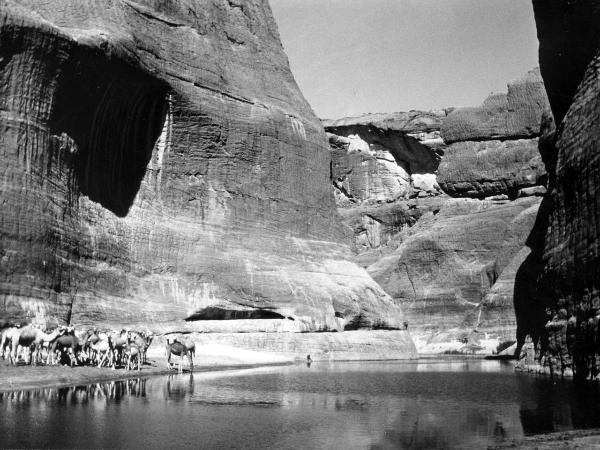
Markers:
(441, 204)
(162, 166)
(556, 295)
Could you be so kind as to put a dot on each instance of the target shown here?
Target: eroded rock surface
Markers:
(444, 266)
(480, 169)
(516, 114)
(556, 295)
(161, 165)
(450, 263)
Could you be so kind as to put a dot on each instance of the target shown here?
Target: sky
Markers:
(351, 57)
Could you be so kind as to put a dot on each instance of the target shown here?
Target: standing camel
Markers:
(119, 341)
(100, 349)
(177, 348)
(89, 338)
(32, 338)
(142, 341)
(133, 356)
(68, 342)
(6, 340)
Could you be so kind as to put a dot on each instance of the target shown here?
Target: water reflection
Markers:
(74, 395)
(179, 388)
(557, 405)
(465, 404)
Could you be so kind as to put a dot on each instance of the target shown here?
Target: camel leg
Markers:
(12, 356)
(72, 357)
(102, 359)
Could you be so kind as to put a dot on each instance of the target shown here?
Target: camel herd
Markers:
(113, 349)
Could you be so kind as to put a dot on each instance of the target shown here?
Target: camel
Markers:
(6, 340)
(177, 348)
(32, 338)
(133, 356)
(119, 341)
(90, 338)
(70, 342)
(142, 342)
(132, 350)
(102, 349)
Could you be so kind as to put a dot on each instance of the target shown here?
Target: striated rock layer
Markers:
(444, 266)
(449, 262)
(556, 295)
(516, 114)
(161, 165)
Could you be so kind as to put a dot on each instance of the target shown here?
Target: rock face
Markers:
(445, 238)
(443, 267)
(513, 115)
(161, 165)
(556, 295)
(479, 169)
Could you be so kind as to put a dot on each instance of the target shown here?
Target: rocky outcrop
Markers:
(493, 147)
(161, 166)
(449, 263)
(364, 175)
(412, 139)
(479, 169)
(556, 294)
(513, 115)
(444, 266)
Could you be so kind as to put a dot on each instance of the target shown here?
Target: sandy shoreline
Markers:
(24, 377)
(208, 358)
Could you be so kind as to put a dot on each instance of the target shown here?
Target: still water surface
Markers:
(466, 404)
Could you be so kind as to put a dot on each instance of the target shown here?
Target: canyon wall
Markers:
(556, 295)
(441, 204)
(162, 169)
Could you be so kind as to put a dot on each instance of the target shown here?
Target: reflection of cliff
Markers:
(441, 203)
(559, 281)
(160, 164)
(549, 407)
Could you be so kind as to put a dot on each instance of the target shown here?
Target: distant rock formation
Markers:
(442, 227)
(557, 298)
(479, 169)
(161, 168)
(514, 115)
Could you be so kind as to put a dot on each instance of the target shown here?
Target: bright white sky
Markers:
(351, 57)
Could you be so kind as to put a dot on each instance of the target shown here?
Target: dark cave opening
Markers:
(114, 113)
(216, 313)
